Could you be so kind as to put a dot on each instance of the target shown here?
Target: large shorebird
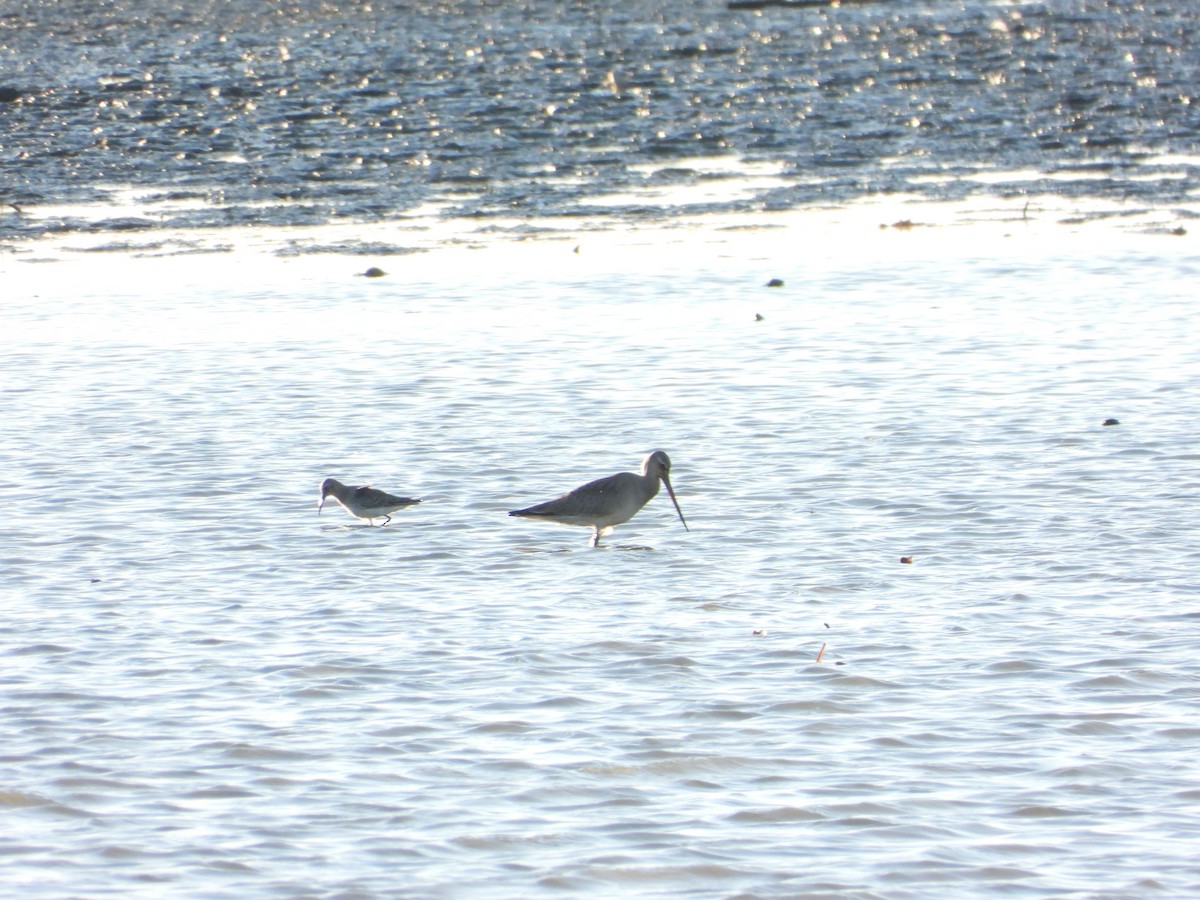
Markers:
(363, 502)
(607, 502)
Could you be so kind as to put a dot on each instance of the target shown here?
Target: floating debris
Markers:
(1112, 422)
(775, 282)
(373, 272)
(906, 559)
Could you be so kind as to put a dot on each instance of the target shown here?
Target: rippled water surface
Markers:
(933, 629)
(211, 690)
(227, 113)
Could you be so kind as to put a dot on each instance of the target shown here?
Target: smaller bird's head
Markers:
(326, 489)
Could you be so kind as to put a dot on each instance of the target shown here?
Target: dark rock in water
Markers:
(373, 272)
(775, 282)
(1111, 422)
(9, 95)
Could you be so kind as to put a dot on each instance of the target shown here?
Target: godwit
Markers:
(607, 502)
(363, 502)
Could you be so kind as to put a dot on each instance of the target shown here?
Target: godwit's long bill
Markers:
(607, 502)
(363, 502)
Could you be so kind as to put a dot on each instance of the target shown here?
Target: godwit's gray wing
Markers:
(598, 504)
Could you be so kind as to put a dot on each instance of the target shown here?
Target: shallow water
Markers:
(210, 690)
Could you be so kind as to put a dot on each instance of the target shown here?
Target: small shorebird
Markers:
(607, 502)
(363, 502)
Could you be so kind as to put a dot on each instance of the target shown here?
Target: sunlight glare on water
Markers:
(907, 293)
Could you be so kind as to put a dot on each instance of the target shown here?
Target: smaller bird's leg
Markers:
(596, 538)
(386, 519)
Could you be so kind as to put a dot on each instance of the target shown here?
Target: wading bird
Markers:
(607, 502)
(364, 502)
